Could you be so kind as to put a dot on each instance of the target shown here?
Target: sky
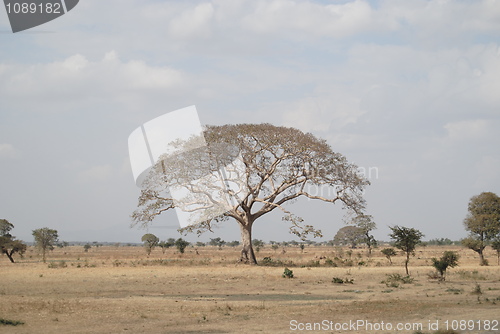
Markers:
(407, 90)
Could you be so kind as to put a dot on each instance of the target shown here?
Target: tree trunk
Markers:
(9, 256)
(247, 254)
(406, 263)
(481, 258)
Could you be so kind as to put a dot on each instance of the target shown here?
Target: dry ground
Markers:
(120, 290)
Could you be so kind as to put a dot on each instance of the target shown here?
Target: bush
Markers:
(287, 273)
(394, 280)
(59, 264)
(269, 262)
(338, 280)
(10, 322)
(449, 259)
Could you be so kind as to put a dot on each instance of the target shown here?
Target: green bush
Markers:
(287, 273)
(394, 280)
(10, 322)
(449, 259)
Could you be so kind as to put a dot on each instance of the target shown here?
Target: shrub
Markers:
(338, 280)
(287, 273)
(10, 322)
(394, 280)
(449, 259)
(59, 264)
(477, 290)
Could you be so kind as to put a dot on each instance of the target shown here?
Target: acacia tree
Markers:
(181, 245)
(348, 236)
(406, 239)
(389, 252)
(45, 239)
(8, 244)
(482, 222)
(166, 244)
(150, 242)
(366, 224)
(217, 242)
(5, 227)
(280, 165)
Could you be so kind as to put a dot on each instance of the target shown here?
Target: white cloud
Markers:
(469, 130)
(8, 151)
(290, 17)
(194, 22)
(77, 73)
(96, 173)
(487, 173)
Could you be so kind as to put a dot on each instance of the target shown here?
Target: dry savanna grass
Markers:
(121, 290)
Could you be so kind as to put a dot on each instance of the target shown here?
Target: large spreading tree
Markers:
(482, 222)
(280, 165)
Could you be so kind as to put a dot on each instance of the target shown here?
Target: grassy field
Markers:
(205, 290)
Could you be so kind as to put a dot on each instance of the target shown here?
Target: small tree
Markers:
(86, 247)
(258, 244)
(406, 239)
(45, 239)
(389, 252)
(181, 245)
(217, 242)
(348, 236)
(449, 259)
(366, 224)
(166, 245)
(482, 222)
(150, 242)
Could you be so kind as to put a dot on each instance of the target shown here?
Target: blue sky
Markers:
(409, 87)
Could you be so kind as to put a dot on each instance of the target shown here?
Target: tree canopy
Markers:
(45, 239)
(349, 236)
(8, 244)
(406, 239)
(482, 222)
(150, 242)
(268, 167)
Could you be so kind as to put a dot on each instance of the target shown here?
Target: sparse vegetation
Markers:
(395, 280)
(338, 280)
(214, 284)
